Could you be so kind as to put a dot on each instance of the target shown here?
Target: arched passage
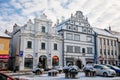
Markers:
(28, 62)
(43, 61)
(79, 63)
(55, 61)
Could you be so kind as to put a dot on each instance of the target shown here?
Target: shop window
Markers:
(28, 63)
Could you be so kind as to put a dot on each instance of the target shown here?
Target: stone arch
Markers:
(43, 61)
(79, 63)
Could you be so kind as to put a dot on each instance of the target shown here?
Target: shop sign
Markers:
(4, 56)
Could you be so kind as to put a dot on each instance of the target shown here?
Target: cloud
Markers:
(100, 13)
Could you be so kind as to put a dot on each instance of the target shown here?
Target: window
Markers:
(111, 43)
(77, 37)
(83, 50)
(1, 47)
(89, 50)
(77, 49)
(84, 29)
(100, 51)
(104, 41)
(111, 52)
(116, 52)
(104, 51)
(29, 44)
(69, 27)
(43, 46)
(100, 41)
(69, 36)
(114, 43)
(108, 41)
(75, 28)
(43, 29)
(55, 46)
(70, 49)
(89, 38)
(108, 52)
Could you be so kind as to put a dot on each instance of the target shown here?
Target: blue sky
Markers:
(100, 13)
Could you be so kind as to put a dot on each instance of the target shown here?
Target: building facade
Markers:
(78, 40)
(107, 47)
(4, 50)
(36, 43)
(116, 34)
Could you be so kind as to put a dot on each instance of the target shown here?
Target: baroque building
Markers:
(35, 43)
(78, 40)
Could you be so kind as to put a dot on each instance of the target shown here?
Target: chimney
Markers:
(109, 28)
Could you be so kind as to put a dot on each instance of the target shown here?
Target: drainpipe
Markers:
(96, 53)
(63, 48)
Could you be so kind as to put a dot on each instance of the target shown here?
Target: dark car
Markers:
(115, 68)
(5, 77)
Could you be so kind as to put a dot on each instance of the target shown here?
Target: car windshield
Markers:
(105, 67)
(115, 67)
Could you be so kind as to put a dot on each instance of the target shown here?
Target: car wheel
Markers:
(105, 74)
(38, 72)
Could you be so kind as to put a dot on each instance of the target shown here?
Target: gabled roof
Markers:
(4, 35)
(102, 32)
(115, 33)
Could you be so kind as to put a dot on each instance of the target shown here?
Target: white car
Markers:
(37, 70)
(59, 68)
(104, 70)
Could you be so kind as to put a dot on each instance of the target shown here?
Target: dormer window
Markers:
(43, 29)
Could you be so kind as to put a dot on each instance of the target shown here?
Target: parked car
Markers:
(59, 68)
(5, 77)
(103, 70)
(37, 70)
(115, 68)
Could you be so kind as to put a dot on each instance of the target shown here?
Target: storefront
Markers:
(28, 63)
(4, 62)
(4, 51)
(55, 61)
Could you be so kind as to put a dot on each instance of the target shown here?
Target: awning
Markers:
(4, 56)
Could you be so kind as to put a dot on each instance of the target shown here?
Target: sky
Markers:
(100, 13)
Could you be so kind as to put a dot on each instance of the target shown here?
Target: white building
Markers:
(35, 43)
(116, 34)
(107, 47)
(78, 40)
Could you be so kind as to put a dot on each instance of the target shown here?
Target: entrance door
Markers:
(28, 63)
(55, 61)
(43, 61)
(79, 64)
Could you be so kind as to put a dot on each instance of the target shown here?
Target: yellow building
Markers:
(4, 50)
